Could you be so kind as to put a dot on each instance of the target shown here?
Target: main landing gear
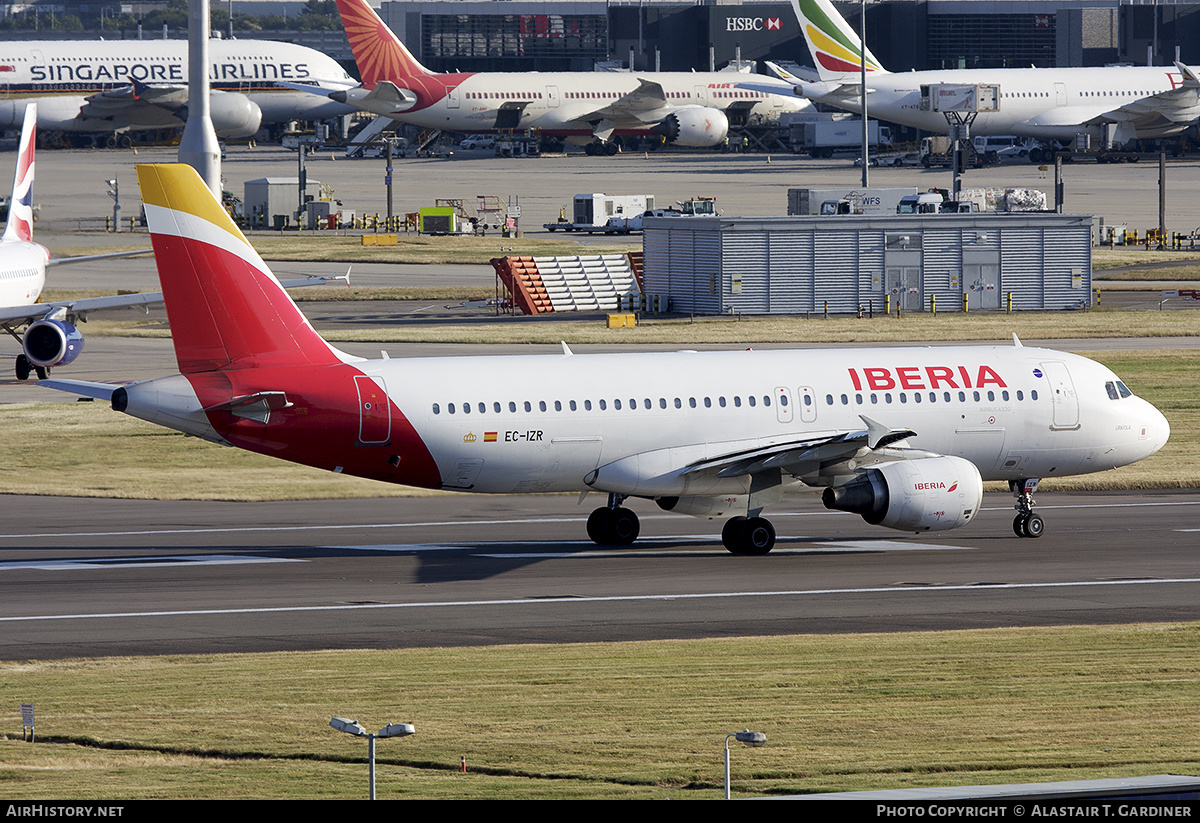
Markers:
(613, 525)
(1026, 523)
(25, 368)
(748, 535)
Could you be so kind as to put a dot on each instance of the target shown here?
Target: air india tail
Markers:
(377, 50)
(836, 50)
(20, 205)
(226, 309)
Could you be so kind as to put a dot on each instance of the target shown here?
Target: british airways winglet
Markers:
(708, 434)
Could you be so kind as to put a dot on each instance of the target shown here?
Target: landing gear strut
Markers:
(613, 525)
(748, 535)
(1026, 523)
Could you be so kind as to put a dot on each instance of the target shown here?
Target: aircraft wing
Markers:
(646, 103)
(806, 457)
(816, 459)
(1164, 112)
(141, 104)
(20, 315)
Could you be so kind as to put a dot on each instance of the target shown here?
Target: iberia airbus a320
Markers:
(905, 436)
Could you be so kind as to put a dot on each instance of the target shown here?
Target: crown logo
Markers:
(469, 438)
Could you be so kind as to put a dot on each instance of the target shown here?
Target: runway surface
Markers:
(83, 577)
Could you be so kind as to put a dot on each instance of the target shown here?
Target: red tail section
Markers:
(227, 310)
(377, 50)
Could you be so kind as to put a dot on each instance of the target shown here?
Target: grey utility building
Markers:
(790, 265)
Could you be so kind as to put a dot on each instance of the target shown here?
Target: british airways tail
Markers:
(377, 50)
(20, 205)
(226, 309)
(836, 50)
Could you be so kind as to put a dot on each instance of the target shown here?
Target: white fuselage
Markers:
(22, 272)
(545, 423)
(1042, 103)
(564, 103)
(60, 75)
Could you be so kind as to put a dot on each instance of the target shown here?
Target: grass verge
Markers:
(617, 720)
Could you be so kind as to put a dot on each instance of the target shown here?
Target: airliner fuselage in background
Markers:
(687, 108)
(1046, 103)
(904, 437)
(98, 86)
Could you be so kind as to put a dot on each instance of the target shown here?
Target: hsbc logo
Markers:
(753, 24)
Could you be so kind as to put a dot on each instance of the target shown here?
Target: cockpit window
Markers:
(1116, 390)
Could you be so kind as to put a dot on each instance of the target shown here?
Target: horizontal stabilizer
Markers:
(84, 388)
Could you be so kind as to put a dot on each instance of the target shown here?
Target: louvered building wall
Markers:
(791, 265)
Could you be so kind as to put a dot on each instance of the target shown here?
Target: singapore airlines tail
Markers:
(226, 309)
(836, 50)
(20, 205)
(378, 52)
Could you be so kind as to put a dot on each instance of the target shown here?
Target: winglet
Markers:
(1190, 79)
(20, 208)
(879, 435)
(1017, 341)
(226, 309)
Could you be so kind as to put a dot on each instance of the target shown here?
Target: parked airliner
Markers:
(104, 86)
(687, 108)
(50, 337)
(904, 437)
(1118, 103)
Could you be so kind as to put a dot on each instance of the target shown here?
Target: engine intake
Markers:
(696, 126)
(926, 494)
(51, 343)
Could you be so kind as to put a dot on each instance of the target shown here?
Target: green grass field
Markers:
(617, 720)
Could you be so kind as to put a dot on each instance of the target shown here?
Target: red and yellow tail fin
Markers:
(227, 310)
(377, 50)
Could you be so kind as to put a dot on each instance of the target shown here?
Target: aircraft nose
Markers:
(1157, 429)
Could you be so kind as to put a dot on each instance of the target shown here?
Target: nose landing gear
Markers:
(1026, 523)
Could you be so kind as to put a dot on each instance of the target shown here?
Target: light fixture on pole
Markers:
(747, 737)
(390, 730)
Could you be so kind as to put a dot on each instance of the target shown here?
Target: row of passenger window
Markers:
(860, 399)
(917, 397)
(603, 405)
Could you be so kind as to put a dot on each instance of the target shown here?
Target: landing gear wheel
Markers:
(597, 525)
(748, 536)
(611, 149)
(1034, 526)
(730, 534)
(1019, 524)
(613, 527)
(24, 368)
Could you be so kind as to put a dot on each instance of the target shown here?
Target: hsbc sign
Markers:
(753, 24)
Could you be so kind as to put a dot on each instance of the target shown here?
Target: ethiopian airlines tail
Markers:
(20, 206)
(377, 50)
(836, 50)
(225, 307)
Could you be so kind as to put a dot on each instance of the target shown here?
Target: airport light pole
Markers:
(390, 730)
(747, 737)
(866, 150)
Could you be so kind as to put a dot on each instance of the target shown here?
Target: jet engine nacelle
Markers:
(697, 126)
(50, 342)
(926, 494)
(233, 114)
